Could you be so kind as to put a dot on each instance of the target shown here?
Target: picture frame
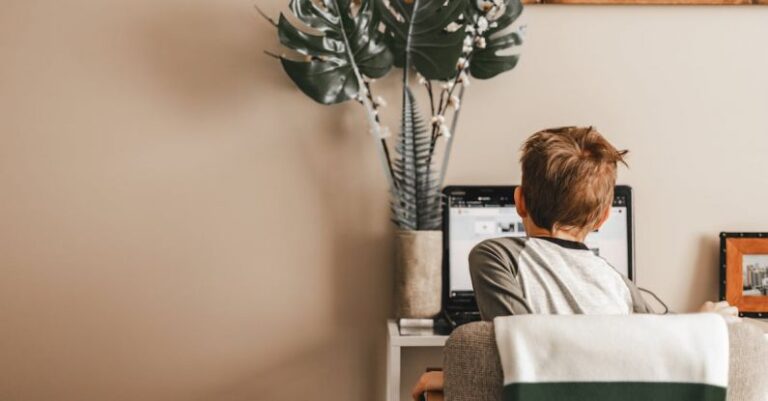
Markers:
(744, 272)
(651, 2)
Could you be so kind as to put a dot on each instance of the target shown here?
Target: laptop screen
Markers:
(475, 215)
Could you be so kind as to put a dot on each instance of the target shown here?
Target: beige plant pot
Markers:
(418, 274)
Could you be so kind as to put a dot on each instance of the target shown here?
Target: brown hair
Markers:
(568, 177)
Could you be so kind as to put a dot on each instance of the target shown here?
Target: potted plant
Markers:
(439, 44)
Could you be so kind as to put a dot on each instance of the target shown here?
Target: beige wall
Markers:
(179, 223)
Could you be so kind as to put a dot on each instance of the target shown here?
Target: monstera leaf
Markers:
(417, 206)
(428, 33)
(487, 62)
(348, 47)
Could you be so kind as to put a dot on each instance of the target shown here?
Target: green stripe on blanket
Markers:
(612, 391)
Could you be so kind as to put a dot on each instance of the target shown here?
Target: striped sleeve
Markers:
(493, 269)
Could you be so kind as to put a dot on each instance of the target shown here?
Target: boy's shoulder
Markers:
(502, 246)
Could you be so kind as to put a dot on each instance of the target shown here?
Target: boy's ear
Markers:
(520, 203)
(603, 218)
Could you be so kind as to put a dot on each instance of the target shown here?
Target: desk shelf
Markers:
(395, 344)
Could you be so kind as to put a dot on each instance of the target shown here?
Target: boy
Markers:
(568, 176)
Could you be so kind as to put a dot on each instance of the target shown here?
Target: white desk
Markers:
(395, 345)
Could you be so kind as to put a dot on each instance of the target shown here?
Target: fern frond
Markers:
(418, 204)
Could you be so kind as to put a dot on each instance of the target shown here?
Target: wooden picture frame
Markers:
(650, 2)
(744, 257)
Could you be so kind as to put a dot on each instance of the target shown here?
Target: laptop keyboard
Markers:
(451, 320)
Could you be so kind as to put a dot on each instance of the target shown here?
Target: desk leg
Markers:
(393, 372)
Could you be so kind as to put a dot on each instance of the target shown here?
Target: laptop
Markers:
(472, 214)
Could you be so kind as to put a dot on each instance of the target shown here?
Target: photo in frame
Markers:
(652, 2)
(744, 272)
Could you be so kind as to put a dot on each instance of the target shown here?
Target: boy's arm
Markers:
(493, 269)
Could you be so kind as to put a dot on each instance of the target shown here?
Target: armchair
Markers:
(473, 369)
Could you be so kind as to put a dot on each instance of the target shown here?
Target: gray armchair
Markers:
(473, 368)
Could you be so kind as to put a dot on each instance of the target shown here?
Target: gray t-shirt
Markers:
(548, 276)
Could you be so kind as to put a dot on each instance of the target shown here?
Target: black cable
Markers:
(448, 319)
(656, 297)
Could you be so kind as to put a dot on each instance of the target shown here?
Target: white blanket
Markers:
(617, 357)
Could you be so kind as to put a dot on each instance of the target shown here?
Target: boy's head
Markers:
(568, 179)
